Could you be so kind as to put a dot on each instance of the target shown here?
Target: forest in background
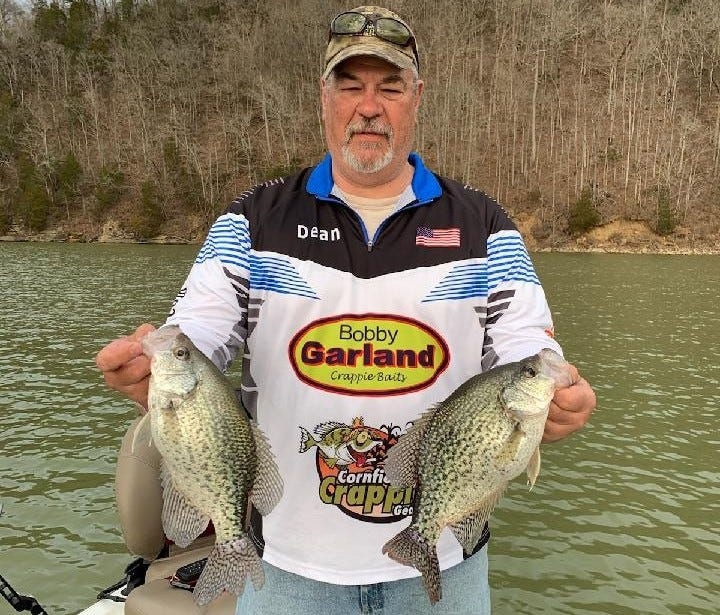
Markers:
(154, 114)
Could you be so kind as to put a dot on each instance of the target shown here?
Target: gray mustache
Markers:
(368, 127)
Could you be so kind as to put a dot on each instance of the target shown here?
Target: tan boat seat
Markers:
(157, 597)
(138, 497)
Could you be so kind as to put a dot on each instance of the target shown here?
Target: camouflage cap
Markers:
(370, 41)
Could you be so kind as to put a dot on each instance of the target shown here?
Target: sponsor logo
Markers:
(350, 463)
(368, 354)
(314, 232)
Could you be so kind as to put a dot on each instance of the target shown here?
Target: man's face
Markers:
(369, 110)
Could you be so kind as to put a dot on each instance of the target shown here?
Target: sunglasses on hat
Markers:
(387, 29)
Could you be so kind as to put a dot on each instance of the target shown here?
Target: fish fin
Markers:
(142, 436)
(411, 548)
(228, 565)
(268, 486)
(401, 465)
(469, 530)
(533, 467)
(324, 429)
(306, 440)
(181, 521)
(507, 454)
(330, 461)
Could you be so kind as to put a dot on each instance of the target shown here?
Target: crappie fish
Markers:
(340, 444)
(460, 456)
(214, 460)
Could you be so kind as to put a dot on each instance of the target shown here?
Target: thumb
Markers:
(141, 332)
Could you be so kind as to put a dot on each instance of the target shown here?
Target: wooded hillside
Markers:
(156, 113)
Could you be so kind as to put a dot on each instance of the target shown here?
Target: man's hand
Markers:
(124, 366)
(570, 409)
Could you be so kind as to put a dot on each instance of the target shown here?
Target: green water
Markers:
(625, 517)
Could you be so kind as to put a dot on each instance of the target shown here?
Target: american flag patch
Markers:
(437, 237)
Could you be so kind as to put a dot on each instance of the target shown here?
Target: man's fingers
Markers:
(560, 416)
(123, 350)
(561, 423)
(117, 353)
(136, 370)
(575, 398)
(142, 331)
(574, 374)
(570, 409)
(132, 379)
(129, 374)
(554, 432)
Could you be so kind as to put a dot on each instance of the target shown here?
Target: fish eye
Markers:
(182, 353)
(530, 372)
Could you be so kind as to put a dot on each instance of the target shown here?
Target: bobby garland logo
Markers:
(368, 334)
(368, 354)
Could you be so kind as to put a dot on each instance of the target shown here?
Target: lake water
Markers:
(624, 519)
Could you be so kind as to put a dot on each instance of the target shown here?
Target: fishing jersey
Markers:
(346, 339)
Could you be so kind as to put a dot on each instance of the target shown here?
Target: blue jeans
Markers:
(465, 591)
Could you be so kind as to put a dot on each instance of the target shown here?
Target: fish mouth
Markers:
(531, 398)
(361, 458)
(159, 340)
(555, 367)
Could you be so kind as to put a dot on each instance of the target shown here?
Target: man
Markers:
(359, 292)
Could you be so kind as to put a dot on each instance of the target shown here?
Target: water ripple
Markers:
(62, 427)
(624, 516)
(623, 519)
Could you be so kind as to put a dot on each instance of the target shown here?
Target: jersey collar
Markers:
(424, 183)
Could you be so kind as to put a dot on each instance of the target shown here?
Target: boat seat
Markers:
(138, 496)
(159, 598)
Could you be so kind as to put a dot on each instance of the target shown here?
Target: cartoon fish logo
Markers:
(341, 444)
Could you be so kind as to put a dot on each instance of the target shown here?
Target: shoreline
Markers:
(569, 247)
(579, 246)
(614, 237)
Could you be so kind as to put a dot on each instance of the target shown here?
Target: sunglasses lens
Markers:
(349, 23)
(392, 30)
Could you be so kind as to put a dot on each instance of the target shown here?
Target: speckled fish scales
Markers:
(215, 460)
(460, 456)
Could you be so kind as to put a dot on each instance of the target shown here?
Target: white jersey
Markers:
(346, 339)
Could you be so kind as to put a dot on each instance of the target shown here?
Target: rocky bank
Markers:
(618, 236)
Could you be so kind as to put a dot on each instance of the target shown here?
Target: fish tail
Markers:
(229, 563)
(306, 440)
(411, 548)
